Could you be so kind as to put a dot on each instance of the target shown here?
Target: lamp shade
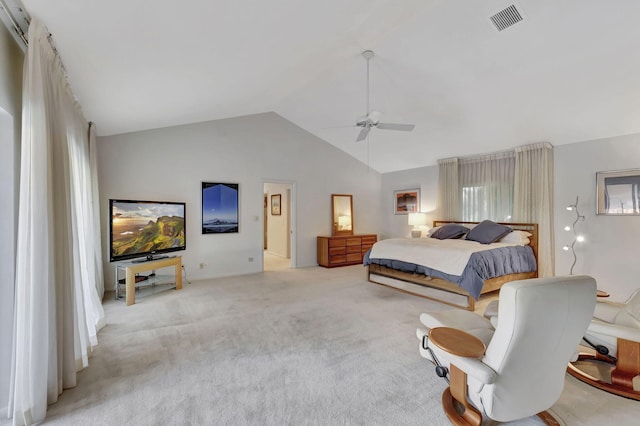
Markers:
(417, 219)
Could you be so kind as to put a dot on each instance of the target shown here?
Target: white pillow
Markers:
(430, 232)
(516, 237)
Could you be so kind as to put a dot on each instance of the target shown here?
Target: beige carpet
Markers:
(309, 346)
(273, 262)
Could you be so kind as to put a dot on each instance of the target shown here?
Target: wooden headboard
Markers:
(532, 228)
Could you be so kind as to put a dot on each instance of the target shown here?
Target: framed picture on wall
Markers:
(618, 192)
(275, 204)
(406, 201)
(219, 208)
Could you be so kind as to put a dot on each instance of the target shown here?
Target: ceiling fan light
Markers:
(374, 117)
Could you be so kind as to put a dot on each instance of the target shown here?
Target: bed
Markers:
(486, 269)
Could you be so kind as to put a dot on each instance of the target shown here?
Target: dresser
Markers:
(344, 250)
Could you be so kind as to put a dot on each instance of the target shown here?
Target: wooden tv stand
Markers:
(133, 268)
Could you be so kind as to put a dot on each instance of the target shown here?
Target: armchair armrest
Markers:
(457, 342)
(607, 311)
(464, 351)
(475, 368)
(613, 330)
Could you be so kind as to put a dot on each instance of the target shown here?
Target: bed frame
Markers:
(445, 291)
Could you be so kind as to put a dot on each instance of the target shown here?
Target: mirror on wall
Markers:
(342, 214)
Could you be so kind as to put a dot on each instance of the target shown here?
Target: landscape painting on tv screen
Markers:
(141, 228)
(219, 208)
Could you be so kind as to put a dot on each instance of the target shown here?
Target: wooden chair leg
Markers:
(548, 419)
(623, 373)
(628, 365)
(457, 391)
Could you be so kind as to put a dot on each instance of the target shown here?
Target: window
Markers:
(487, 187)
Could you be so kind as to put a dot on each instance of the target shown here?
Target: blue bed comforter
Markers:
(482, 265)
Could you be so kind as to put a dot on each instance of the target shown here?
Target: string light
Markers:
(576, 237)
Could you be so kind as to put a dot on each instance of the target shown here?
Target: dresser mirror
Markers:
(342, 214)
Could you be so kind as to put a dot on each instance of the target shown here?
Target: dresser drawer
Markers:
(354, 249)
(353, 241)
(370, 240)
(334, 251)
(337, 242)
(335, 260)
(366, 248)
(354, 257)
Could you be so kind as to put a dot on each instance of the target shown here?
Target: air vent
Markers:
(506, 18)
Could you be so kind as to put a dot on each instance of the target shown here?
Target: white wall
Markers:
(169, 164)
(11, 58)
(278, 226)
(424, 178)
(610, 252)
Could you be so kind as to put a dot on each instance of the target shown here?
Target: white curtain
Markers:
(449, 195)
(95, 213)
(57, 305)
(477, 188)
(486, 183)
(512, 186)
(533, 199)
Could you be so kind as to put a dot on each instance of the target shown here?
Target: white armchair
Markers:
(614, 333)
(521, 373)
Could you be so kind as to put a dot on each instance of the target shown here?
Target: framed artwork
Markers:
(406, 201)
(219, 208)
(618, 192)
(275, 204)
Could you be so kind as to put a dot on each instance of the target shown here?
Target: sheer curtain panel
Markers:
(95, 213)
(57, 305)
(486, 183)
(533, 199)
(510, 186)
(449, 194)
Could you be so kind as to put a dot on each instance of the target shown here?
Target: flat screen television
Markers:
(145, 229)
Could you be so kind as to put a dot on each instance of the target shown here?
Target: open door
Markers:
(279, 215)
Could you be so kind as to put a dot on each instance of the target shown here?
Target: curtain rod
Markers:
(12, 23)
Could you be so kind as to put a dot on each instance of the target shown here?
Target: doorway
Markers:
(278, 236)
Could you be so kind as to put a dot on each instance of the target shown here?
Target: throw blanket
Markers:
(448, 256)
(489, 262)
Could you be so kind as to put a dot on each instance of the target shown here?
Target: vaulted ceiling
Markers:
(568, 72)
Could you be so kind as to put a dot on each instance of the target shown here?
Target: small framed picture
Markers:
(275, 204)
(618, 192)
(406, 201)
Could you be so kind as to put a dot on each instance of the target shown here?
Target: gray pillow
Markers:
(487, 232)
(450, 231)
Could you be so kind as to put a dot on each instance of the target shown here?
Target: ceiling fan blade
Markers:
(396, 126)
(363, 134)
(344, 126)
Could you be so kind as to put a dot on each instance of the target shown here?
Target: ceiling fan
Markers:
(372, 119)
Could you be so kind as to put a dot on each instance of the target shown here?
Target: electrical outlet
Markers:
(251, 259)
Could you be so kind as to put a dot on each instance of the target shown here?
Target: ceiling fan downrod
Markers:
(367, 54)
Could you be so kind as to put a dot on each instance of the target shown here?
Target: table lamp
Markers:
(417, 220)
